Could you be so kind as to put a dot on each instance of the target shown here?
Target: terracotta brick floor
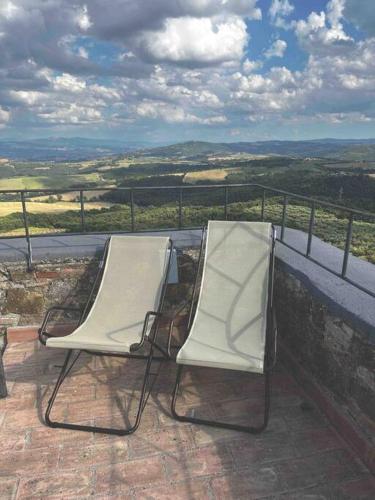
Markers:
(299, 456)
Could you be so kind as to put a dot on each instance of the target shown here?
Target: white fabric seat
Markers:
(229, 327)
(131, 285)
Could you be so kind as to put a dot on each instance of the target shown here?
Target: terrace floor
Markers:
(299, 456)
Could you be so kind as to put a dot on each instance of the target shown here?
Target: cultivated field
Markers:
(213, 175)
(35, 207)
(73, 196)
(44, 182)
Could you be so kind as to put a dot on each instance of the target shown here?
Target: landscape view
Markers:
(341, 172)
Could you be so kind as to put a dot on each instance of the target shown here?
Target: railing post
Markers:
(311, 227)
(349, 233)
(82, 203)
(180, 209)
(132, 210)
(263, 205)
(283, 221)
(27, 233)
(226, 203)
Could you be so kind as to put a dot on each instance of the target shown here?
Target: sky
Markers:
(163, 71)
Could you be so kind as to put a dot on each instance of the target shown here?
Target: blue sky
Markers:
(164, 71)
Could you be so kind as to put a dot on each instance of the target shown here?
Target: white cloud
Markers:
(207, 98)
(184, 62)
(8, 9)
(27, 97)
(277, 49)
(82, 52)
(83, 19)
(279, 10)
(174, 114)
(250, 66)
(342, 118)
(323, 31)
(69, 83)
(196, 40)
(74, 114)
(107, 93)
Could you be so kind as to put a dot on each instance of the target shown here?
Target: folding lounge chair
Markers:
(234, 325)
(123, 317)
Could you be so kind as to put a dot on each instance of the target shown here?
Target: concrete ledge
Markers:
(80, 245)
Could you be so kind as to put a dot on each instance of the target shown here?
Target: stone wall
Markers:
(338, 356)
(24, 297)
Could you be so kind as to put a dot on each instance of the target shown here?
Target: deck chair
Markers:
(234, 325)
(123, 318)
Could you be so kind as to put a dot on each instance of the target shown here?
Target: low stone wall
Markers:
(337, 356)
(24, 296)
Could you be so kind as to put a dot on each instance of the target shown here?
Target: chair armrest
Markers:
(42, 330)
(138, 345)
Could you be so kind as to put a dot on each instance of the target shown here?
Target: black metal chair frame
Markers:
(150, 338)
(271, 341)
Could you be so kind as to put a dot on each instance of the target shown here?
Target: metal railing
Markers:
(312, 203)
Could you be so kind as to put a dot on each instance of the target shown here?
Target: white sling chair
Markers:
(131, 292)
(234, 326)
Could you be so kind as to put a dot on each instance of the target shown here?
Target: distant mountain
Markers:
(65, 148)
(363, 149)
(77, 148)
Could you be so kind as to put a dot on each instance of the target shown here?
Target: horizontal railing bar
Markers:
(197, 187)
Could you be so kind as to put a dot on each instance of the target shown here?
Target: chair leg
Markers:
(224, 425)
(88, 428)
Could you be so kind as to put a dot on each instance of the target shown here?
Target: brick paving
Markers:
(299, 456)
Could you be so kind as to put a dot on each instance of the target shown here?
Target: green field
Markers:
(24, 183)
(10, 207)
(53, 182)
